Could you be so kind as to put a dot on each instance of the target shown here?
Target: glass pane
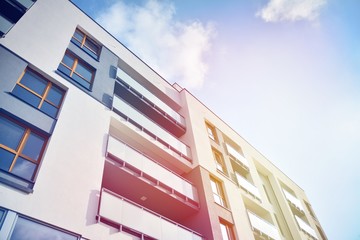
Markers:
(91, 45)
(81, 81)
(78, 35)
(33, 146)
(213, 187)
(26, 229)
(6, 159)
(2, 216)
(91, 53)
(68, 60)
(49, 109)
(34, 82)
(5, 24)
(25, 3)
(224, 232)
(27, 96)
(84, 71)
(219, 167)
(10, 133)
(64, 70)
(217, 199)
(55, 95)
(24, 168)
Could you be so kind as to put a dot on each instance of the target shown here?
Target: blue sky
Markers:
(284, 74)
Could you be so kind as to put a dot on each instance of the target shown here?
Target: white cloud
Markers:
(175, 49)
(291, 10)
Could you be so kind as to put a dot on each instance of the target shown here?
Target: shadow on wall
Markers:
(92, 208)
(112, 72)
(106, 98)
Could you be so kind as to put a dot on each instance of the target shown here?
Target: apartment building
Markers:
(96, 145)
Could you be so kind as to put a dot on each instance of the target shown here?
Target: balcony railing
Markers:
(263, 226)
(296, 202)
(237, 155)
(151, 168)
(244, 183)
(149, 97)
(151, 128)
(121, 211)
(305, 227)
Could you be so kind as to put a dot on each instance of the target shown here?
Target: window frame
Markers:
(220, 193)
(81, 43)
(78, 61)
(13, 217)
(228, 228)
(43, 96)
(219, 161)
(18, 154)
(211, 131)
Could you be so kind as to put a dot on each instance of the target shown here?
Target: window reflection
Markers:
(26, 229)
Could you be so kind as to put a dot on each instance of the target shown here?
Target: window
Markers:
(220, 165)
(226, 230)
(2, 216)
(10, 13)
(21, 149)
(39, 92)
(86, 43)
(218, 192)
(211, 132)
(77, 69)
(26, 228)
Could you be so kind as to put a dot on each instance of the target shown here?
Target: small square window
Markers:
(39, 92)
(77, 69)
(86, 43)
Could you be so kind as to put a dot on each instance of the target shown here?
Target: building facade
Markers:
(96, 145)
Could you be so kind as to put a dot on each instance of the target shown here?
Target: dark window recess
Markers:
(2, 216)
(10, 13)
(39, 92)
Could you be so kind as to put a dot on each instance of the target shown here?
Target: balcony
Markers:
(149, 104)
(306, 228)
(247, 186)
(121, 211)
(172, 183)
(293, 200)
(234, 153)
(157, 133)
(263, 226)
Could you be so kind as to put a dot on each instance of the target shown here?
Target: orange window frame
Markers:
(219, 161)
(75, 64)
(211, 132)
(229, 229)
(219, 191)
(18, 152)
(83, 42)
(45, 93)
